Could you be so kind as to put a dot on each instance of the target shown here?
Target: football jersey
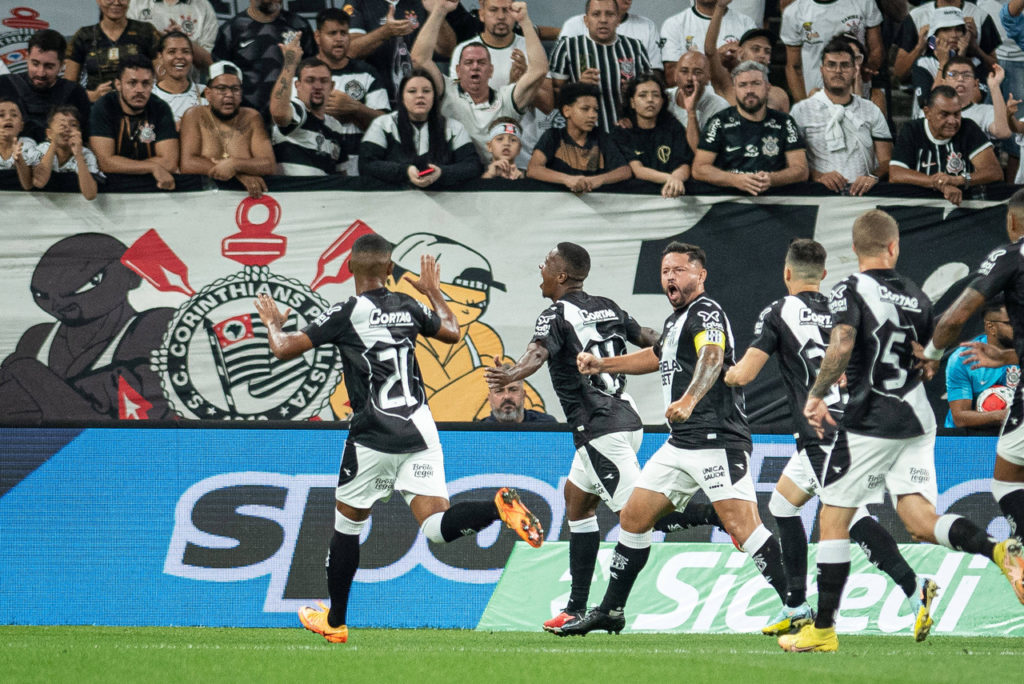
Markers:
(744, 146)
(501, 58)
(360, 81)
(309, 145)
(888, 311)
(376, 335)
(710, 103)
(594, 405)
(686, 31)
(918, 150)
(798, 327)
(718, 420)
(635, 26)
(811, 24)
(1003, 271)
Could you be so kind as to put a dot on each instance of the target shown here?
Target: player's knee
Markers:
(781, 507)
(345, 525)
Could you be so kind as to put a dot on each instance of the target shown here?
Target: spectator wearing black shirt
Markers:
(508, 405)
(99, 49)
(133, 132)
(942, 151)
(655, 142)
(750, 147)
(580, 156)
(40, 89)
(252, 40)
(415, 143)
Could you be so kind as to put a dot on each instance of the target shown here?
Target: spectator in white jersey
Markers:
(631, 25)
(17, 153)
(174, 66)
(687, 31)
(504, 146)
(392, 437)
(958, 73)
(359, 96)
(754, 44)
(654, 143)
(416, 144)
(808, 24)
(942, 151)
(506, 47)
(601, 58)
(847, 137)
(195, 18)
(307, 140)
(470, 100)
(949, 38)
(750, 147)
(223, 139)
(691, 101)
(63, 152)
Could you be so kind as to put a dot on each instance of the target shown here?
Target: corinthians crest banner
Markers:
(141, 306)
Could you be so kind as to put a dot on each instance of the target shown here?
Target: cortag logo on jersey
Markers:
(597, 316)
(901, 300)
(808, 317)
(381, 319)
(990, 261)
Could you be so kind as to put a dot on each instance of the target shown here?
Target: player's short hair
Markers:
(941, 91)
(371, 243)
(70, 110)
(873, 231)
(750, 65)
(962, 61)
(135, 62)
(332, 14)
(170, 35)
(310, 63)
(49, 40)
(1016, 201)
(571, 92)
(576, 260)
(806, 258)
(995, 304)
(693, 251)
(371, 255)
(838, 44)
(586, 7)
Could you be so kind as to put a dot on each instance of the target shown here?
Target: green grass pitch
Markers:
(184, 654)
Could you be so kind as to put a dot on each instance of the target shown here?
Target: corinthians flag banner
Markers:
(139, 307)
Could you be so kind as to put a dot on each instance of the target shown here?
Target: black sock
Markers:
(768, 559)
(626, 565)
(694, 515)
(793, 539)
(583, 547)
(1012, 506)
(966, 536)
(883, 552)
(831, 580)
(466, 518)
(342, 563)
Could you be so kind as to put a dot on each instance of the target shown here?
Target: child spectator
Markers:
(504, 143)
(63, 152)
(16, 152)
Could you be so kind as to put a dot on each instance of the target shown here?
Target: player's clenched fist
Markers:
(588, 364)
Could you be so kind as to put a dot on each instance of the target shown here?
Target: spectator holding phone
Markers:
(949, 38)
(415, 143)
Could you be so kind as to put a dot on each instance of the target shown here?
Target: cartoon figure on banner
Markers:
(15, 33)
(453, 373)
(93, 362)
(214, 362)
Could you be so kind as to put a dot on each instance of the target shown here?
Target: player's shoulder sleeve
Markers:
(329, 326)
(547, 331)
(705, 324)
(766, 329)
(790, 33)
(844, 303)
(793, 139)
(975, 140)
(997, 270)
(426, 318)
(634, 331)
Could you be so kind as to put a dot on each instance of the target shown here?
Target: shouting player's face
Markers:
(682, 279)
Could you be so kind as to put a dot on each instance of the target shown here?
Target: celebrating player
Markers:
(392, 436)
(1000, 272)
(708, 449)
(889, 429)
(797, 327)
(607, 431)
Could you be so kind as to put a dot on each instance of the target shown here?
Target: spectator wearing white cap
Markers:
(504, 144)
(223, 139)
(912, 41)
(949, 37)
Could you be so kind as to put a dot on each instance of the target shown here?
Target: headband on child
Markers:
(502, 128)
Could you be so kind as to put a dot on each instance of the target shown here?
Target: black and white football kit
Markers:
(607, 431)
(392, 442)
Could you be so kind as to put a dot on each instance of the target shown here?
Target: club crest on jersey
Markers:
(627, 68)
(214, 362)
(770, 146)
(955, 164)
(1012, 376)
(355, 90)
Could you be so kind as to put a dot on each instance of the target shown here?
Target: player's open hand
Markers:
(983, 355)
(429, 281)
(588, 364)
(269, 313)
(497, 376)
(816, 413)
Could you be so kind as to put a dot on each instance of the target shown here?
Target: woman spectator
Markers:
(655, 143)
(98, 49)
(415, 143)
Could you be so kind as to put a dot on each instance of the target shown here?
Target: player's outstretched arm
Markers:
(985, 355)
(710, 360)
(837, 358)
(637, 363)
(497, 376)
(947, 330)
(429, 285)
(283, 345)
(744, 372)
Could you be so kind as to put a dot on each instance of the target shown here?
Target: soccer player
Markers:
(796, 327)
(888, 431)
(709, 446)
(607, 431)
(1000, 272)
(392, 436)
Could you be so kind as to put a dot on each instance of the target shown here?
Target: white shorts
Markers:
(861, 468)
(798, 469)
(607, 466)
(681, 473)
(367, 475)
(1010, 446)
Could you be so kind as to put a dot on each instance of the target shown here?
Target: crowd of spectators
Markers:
(430, 94)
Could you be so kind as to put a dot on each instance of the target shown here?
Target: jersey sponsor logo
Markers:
(422, 470)
(384, 484)
(322, 318)
(770, 146)
(919, 475)
(667, 367)
(664, 152)
(990, 261)
(711, 472)
(711, 319)
(543, 325)
(597, 316)
(808, 317)
(898, 299)
(389, 319)
(875, 481)
(771, 123)
(837, 299)
(751, 151)
(712, 130)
